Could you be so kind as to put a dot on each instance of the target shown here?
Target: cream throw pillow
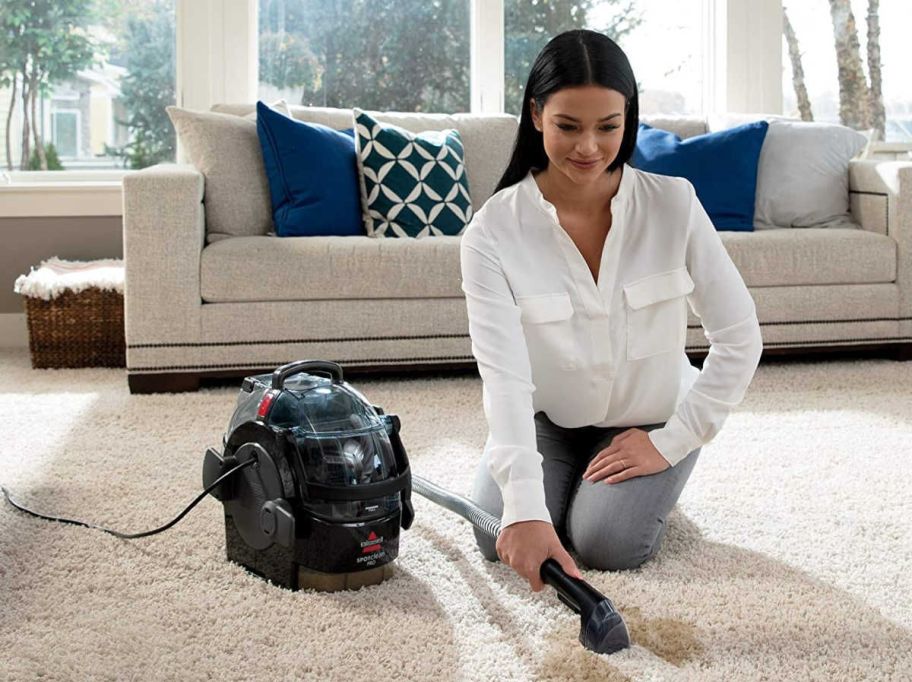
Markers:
(226, 150)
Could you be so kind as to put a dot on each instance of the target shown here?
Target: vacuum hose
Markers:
(601, 627)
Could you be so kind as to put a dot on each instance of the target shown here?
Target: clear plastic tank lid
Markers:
(315, 404)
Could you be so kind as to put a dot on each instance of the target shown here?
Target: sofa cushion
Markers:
(313, 176)
(814, 256)
(721, 166)
(804, 174)
(225, 149)
(802, 177)
(279, 105)
(296, 268)
(487, 138)
(682, 126)
(412, 184)
(292, 268)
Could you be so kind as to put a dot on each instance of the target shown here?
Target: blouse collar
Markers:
(623, 192)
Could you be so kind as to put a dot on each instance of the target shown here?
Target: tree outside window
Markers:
(845, 61)
(413, 55)
(89, 76)
(392, 55)
(111, 64)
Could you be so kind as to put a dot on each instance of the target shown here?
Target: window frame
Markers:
(216, 40)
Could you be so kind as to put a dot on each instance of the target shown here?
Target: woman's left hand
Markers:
(630, 454)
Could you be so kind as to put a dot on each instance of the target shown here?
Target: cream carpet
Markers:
(788, 557)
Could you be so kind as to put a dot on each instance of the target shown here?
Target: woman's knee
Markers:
(605, 548)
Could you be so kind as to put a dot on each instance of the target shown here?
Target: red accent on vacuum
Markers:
(266, 403)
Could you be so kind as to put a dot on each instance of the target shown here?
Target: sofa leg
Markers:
(903, 352)
(177, 382)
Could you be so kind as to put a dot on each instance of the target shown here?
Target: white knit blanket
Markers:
(55, 276)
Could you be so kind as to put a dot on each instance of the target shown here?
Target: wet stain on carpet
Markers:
(676, 641)
(566, 659)
(672, 640)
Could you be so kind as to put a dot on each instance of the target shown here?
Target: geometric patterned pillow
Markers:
(412, 185)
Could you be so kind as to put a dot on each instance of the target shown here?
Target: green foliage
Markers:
(394, 55)
(44, 41)
(286, 61)
(405, 55)
(48, 37)
(50, 152)
(528, 27)
(148, 87)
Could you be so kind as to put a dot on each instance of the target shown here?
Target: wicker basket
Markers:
(84, 329)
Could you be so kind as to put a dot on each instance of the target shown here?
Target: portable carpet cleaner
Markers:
(316, 484)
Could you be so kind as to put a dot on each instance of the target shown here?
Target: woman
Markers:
(577, 273)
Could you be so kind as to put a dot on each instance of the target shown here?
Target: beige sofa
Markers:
(196, 309)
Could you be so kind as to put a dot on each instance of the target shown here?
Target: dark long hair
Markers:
(573, 58)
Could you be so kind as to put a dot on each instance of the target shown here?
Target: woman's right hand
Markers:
(525, 545)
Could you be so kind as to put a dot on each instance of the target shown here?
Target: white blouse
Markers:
(548, 338)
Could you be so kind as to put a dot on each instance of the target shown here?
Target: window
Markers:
(812, 87)
(408, 55)
(105, 72)
(386, 55)
(670, 80)
(65, 133)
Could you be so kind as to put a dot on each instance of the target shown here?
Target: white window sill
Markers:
(17, 177)
(60, 193)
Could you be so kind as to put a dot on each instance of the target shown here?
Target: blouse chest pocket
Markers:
(546, 320)
(657, 313)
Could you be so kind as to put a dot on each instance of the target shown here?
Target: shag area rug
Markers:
(789, 555)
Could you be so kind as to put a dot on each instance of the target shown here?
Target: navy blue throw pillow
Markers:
(313, 176)
(722, 167)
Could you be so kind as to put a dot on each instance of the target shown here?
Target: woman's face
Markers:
(580, 124)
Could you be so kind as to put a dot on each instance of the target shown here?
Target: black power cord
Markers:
(132, 536)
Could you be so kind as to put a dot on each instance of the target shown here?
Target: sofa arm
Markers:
(890, 184)
(163, 235)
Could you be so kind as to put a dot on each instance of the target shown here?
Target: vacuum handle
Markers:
(282, 373)
(575, 593)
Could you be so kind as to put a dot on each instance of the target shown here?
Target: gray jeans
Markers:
(610, 526)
